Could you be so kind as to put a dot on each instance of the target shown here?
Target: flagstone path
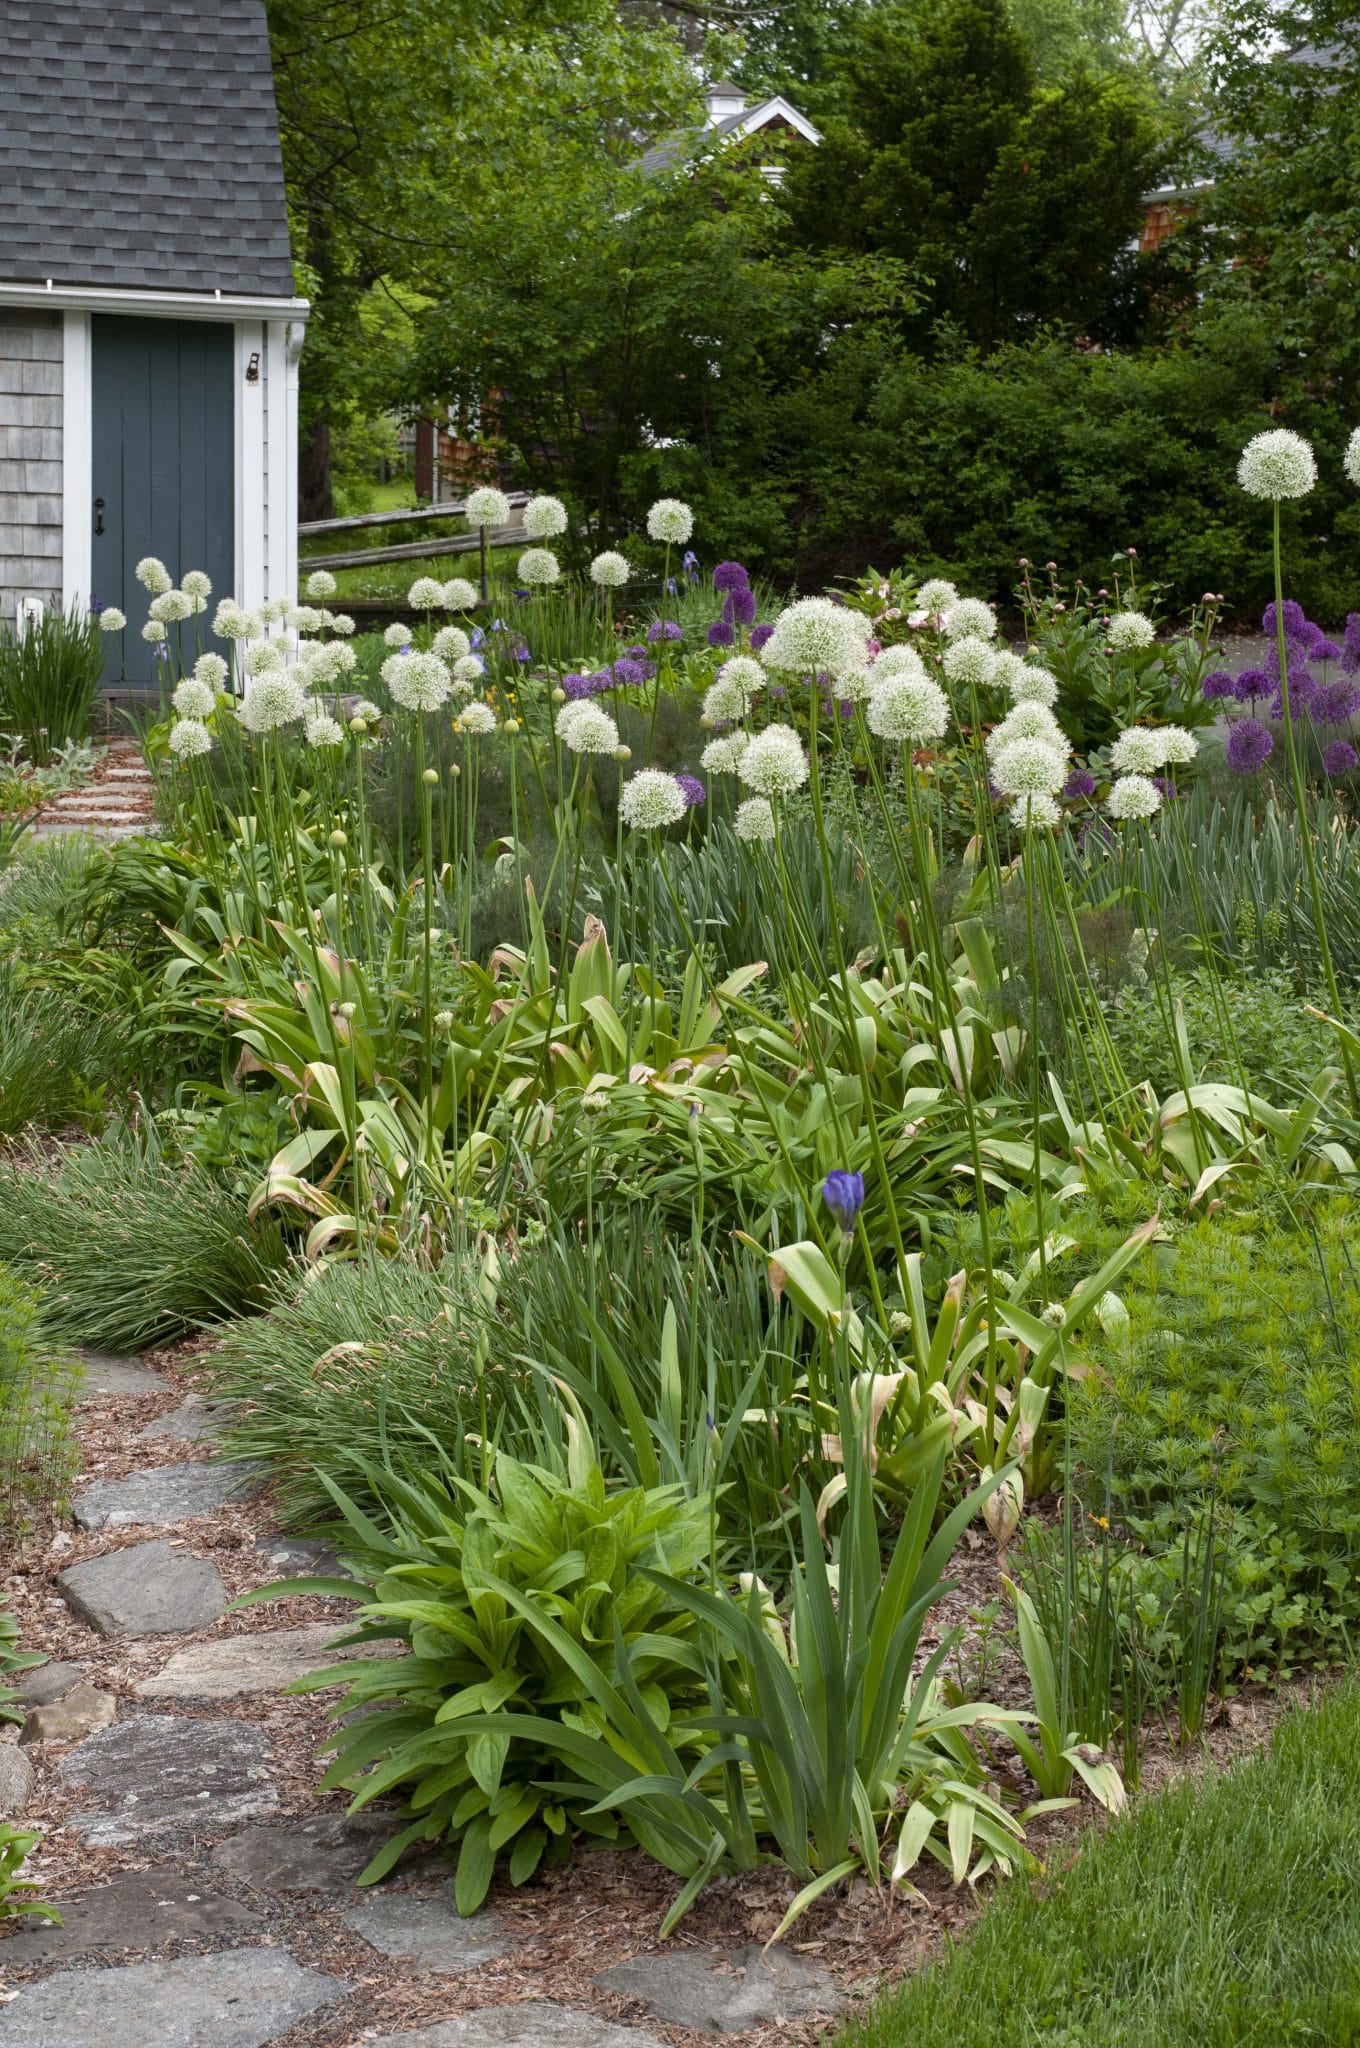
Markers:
(118, 803)
(207, 1890)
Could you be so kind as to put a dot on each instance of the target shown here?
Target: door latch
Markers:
(99, 515)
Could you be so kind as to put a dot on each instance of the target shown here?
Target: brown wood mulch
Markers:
(567, 1926)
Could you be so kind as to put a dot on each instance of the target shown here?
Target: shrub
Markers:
(131, 1246)
(1237, 1380)
(49, 679)
(36, 1452)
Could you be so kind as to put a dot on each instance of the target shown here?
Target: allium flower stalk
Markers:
(417, 681)
(189, 739)
(969, 660)
(908, 709)
(194, 698)
(320, 584)
(538, 567)
(969, 616)
(487, 506)
(458, 595)
(723, 756)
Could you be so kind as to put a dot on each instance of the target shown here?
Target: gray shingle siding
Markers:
(30, 456)
(139, 147)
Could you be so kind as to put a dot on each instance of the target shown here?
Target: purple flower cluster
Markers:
(1327, 700)
(730, 576)
(1249, 746)
(721, 633)
(691, 789)
(1350, 651)
(629, 673)
(1079, 783)
(663, 629)
(1340, 758)
(760, 634)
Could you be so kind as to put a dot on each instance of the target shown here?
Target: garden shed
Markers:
(149, 328)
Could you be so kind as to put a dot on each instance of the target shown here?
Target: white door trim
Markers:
(250, 586)
(77, 459)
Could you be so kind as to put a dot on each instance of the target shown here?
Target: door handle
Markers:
(99, 515)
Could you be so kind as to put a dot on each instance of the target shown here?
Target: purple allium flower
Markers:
(1294, 620)
(638, 653)
(739, 607)
(1253, 682)
(778, 690)
(664, 629)
(1340, 758)
(691, 789)
(1219, 684)
(1334, 703)
(1079, 783)
(1249, 746)
(1167, 785)
(720, 634)
(578, 686)
(730, 576)
(1350, 660)
(759, 635)
(522, 654)
(1324, 649)
(629, 674)
(843, 1194)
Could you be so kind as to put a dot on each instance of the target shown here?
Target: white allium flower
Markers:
(305, 618)
(397, 635)
(459, 594)
(451, 643)
(212, 670)
(425, 593)
(936, 594)
(609, 570)
(153, 575)
(418, 682)
(969, 660)
(365, 708)
(896, 661)
(273, 609)
(194, 698)
(908, 708)
(815, 636)
(1351, 460)
(969, 616)
(1137, 751)
(1029, 768)
(671, 520)
(342, 623)
(538, 567)
(196, 584)
(754, 819)
(737, 684)
(189, 738)
(262, 657)
(231, 621)
(1030, 685)
(855, 686)
(325, 731)
(111, 620)
(1130, 630)
(477, 717)
(342, 659)
(1277, 464)
(774, 764)
(1179, 745)
(724, 702)
(171, 606)
(273, 699)
(723, 756)
(1028, 720)
(543, 517)
(651, 800)
(487, 507)
(1006, 665)
(321, 583)
(1036, 811)
(154, 629)
(469, 671)
(1134, 796)
(585, 729)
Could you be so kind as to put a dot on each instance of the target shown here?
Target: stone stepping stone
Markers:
(242, 1998)
(75, 1715)
(231, 1667)
(156, 1775)
(725, 1990)
(16, 1779)
(297, 1557)
(194, 1422)
(104, 1374)
(149, 1589)
(537, 2025)
(164, 1495)
(47, 1683)
(427, 1930)
(325, 1853)
(132, 1913)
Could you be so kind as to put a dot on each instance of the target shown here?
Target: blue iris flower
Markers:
(843, 1194)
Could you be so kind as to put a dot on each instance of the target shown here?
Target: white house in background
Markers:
(728, 119)
(149, 329)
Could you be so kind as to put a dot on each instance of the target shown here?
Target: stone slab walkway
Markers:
(117, 804)
(209, 1892)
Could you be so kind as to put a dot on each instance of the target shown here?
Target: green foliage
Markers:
(1281, 1045)
(1236, 1380)
(12, 1661)
(56, 1057)
(37, 1448)
(49, 679)
(1122, 1948)
(130, 1246)
(17, 1900)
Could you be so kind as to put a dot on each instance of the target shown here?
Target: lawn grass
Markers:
(1220, 1913)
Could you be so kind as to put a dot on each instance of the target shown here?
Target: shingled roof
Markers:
(139, 147)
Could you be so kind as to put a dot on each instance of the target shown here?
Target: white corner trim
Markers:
(149, 305)
(77, 460)
(777, 109)
(248, 583)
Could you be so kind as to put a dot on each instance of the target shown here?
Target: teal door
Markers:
(163, 468)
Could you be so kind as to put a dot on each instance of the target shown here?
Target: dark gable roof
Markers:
(139, 147)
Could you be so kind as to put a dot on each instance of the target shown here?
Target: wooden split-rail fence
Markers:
(462, 543)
